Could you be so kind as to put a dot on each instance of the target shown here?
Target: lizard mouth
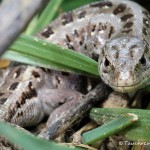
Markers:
(127, 89)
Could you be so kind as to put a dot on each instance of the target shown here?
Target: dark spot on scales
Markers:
(85, 47)
(20, 114)
(30, 85)
(81, 43)
(93, 28)
(70, 46)
(35, 74)
(144, 31)
(126, 17)
(11, 113)
(145, 41)
(76, 33)
(128, 25)
(94, 45)
(117, 55)
(58, 80)
(133, 46)
(18, 105)
(1, 94)
(68, 41)
(68, 38)
(137, 67)
(114, 47)
(13, 86)
(67, 18)
(120, 9)
(127, 31)
(7, 144)
(103, 52)
(111, 31)
(102, 26)
(82, 14)
(65, 73)
(46, 70)
(101, 4)
(28, 95)
(60, 103)
(131, 53)
(23, 100)
(18, 71)
(48, 31)
(3, 100)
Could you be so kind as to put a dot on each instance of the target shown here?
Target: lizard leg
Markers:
(56, 101)
(23, 106)
(33, 110)
(64, 116)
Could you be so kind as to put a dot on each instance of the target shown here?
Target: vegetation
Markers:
(31, 50)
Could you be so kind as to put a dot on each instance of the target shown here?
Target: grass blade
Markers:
(34, 51)
(68, 5)
(139, 131)
(29, 142)
(47, 15)
(109, 128)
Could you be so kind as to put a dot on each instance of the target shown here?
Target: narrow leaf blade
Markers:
(47, 15)
(139, 131)
(34, 51)
(109, 128)
(29, 142)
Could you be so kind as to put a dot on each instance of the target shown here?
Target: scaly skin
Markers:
(115, 32)
(32, 93)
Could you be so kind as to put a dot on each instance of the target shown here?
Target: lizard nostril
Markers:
(143, 60)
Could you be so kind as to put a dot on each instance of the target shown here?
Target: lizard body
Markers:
(114, 32)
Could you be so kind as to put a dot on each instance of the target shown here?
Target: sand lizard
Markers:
(114, 32)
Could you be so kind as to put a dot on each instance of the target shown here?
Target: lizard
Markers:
(113, 32)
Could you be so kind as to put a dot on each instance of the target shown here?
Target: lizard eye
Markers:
(106, 63)
(143, 60)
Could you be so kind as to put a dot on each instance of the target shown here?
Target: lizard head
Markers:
(125, 64)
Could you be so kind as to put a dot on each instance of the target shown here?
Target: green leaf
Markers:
(109, 128)
(31, 26)
(34, 51)
(69, 5)
(29, 142)
(47, 15)
(52, 10)
(139, 131)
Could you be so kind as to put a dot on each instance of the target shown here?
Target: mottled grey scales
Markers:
(114, 32)
(105, 24)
